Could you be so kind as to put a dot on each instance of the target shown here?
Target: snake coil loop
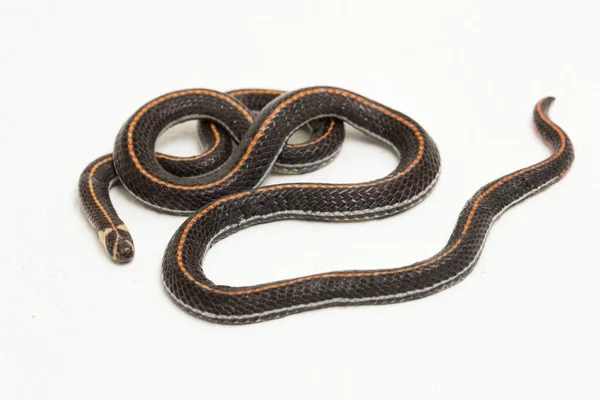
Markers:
(246, 133)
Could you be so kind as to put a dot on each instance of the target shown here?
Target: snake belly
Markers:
(229, 199)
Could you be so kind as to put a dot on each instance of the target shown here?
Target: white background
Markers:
(524, 324)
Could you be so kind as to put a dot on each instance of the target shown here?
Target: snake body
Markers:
(221, 191)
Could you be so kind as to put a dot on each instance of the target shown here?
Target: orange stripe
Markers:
(351, 274)
(518, 173)
(158, 101)
(261, 132)
(280, 92)
(91, 186)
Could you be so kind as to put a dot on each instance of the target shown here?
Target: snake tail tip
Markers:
(545, 104)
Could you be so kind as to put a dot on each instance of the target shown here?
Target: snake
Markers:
(247, 135)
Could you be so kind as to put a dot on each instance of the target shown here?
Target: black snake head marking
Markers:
(118, 243)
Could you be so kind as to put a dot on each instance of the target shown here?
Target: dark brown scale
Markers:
(94, 185)
(225, 199)
(219, 140)
(223, 304)
(168, 192)
(321, 147)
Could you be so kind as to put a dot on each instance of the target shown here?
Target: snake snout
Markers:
(123, 251)
(118, 243)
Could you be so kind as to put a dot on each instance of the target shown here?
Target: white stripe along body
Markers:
(229, 199)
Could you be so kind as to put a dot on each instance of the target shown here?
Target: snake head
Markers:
(118, 243)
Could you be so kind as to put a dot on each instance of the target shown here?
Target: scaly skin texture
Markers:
(220, 140)
(228, 199)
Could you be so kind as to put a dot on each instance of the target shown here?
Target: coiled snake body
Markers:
(246, 132)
